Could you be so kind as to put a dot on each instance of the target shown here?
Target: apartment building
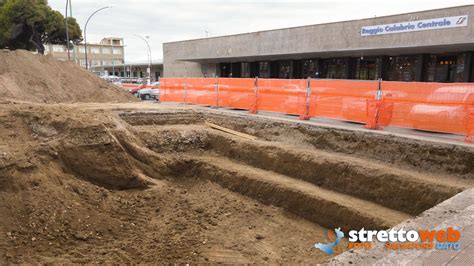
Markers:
(109, 51)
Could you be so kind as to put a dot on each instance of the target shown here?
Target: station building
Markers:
(427, 46)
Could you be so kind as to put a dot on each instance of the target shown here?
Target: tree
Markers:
(29, 24)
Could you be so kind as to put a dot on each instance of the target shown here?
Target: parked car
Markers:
(156, 94)
(442, 109)
(132, 80)
(134, 91)
(148, 94)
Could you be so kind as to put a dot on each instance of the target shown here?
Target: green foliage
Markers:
(29, 24)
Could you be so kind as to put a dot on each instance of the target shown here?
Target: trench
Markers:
(178, 189)
(331, 187)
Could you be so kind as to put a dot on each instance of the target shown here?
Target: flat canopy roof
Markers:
(435, 49)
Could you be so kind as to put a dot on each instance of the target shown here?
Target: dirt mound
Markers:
(35, 78)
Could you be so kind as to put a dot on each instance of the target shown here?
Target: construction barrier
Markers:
(138, 86)
(341, 99)
(438, 107)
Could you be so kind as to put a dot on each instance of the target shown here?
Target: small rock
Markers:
(213, 223)
(81, 236)
(259, 237)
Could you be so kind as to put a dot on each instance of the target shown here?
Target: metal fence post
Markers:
(254, 106)
(379, 90)
(216, 89)
(469, 124)
(306, 115)
(185, 90)
(373, 109)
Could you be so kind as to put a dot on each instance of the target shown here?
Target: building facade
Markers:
(108, 52)
(133, 70)
(428, 46)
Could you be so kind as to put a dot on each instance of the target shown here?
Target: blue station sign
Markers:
(419, 25)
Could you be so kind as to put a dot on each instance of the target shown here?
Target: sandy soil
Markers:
(105, 183)
(89, 182)
(27, 77)
(71, 192)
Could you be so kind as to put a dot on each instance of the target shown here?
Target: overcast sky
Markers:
(166, 21)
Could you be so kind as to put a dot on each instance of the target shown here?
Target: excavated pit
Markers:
(331, 177)
(193, 193)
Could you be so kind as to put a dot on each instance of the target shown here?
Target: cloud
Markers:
(166, 21)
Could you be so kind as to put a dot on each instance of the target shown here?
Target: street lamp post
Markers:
(73, 46)
(67, 31)
(149, 57)
(85, 32)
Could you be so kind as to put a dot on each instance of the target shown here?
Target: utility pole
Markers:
(67, 31)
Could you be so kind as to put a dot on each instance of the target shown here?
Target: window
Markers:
(117, 50)
(445, 68)
(336, 68)
(106, 50)
(310, 69)
(459, 73)
(82, 50)
(95, 50)
(285, 69)
(366, 69)
(245, 70)
(95, 62)
(264, 70)
(403, 68)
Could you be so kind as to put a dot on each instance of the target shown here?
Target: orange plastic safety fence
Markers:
(236, 93)
(282, 95)
(342, 99)
(428, 106)
(131, 85)
(469, 124)
(172, 90)
(201, 91)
